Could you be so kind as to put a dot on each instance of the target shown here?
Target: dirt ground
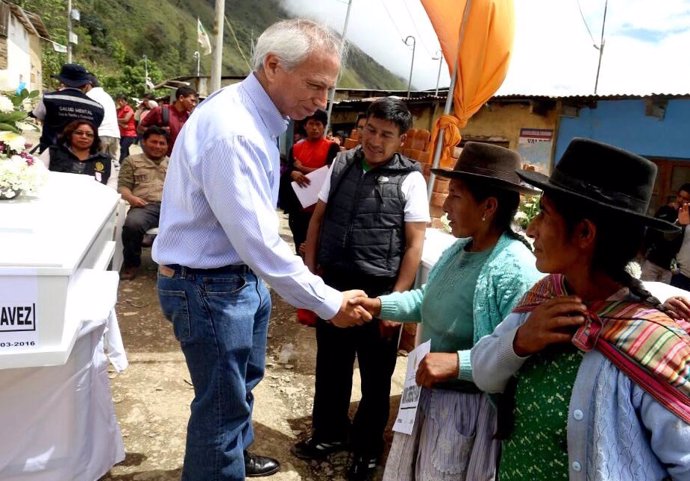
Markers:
(152, 396)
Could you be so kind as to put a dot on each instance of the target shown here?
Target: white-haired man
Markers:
(219, 237)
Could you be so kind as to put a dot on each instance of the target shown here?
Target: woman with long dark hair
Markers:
(598, 373)
(77, 152)
(474, 285)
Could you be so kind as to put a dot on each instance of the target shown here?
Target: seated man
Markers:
(141, 185)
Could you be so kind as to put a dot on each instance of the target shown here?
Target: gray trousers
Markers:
(111, 146)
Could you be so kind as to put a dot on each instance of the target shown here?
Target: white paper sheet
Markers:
(310, 194)
(411, 391)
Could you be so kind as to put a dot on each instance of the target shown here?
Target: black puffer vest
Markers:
(364, 225)
(63, 160)
(63, 107)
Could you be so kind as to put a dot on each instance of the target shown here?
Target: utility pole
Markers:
(414, 47)
(439, 57)
(146, 72)
(331, 95)
(601, 46)
(69, 31)
(217, 62)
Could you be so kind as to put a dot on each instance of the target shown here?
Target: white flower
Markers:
(16, 174)
(8, 194)
(634, 269)
(6, 105)
(15, 141)
(519, 215)
(446, 223)
(25, 126)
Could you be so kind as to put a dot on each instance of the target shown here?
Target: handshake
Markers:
(356, 309)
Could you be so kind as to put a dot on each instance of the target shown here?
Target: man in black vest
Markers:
(70, 102)
(367, 231)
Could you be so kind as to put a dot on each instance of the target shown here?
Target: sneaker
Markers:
(361, 468)
(311, 449)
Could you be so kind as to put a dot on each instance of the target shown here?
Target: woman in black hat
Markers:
(475, 283)
(598, 373)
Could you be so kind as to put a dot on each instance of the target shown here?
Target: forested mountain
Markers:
(115, 35)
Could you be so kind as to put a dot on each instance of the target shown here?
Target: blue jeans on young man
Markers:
(220, 316)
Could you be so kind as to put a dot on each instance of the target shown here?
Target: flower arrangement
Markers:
(445, 224)
(19, 171)
(527, 210)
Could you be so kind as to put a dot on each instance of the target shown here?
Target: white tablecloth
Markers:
(58, 423)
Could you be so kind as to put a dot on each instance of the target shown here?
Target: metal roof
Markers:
(590, 97)
(442, 93)
(31, 21)
(346, 96)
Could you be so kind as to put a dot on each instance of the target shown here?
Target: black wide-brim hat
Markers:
(73, 75)
(489, 163)
(604, 177)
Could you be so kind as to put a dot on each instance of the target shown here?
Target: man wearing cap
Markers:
(108, 131)
(59, 108)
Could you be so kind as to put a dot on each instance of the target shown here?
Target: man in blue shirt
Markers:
(219, 237)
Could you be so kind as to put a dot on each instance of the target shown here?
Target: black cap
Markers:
(73, 75)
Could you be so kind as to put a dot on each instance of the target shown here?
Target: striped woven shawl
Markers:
(644, 343)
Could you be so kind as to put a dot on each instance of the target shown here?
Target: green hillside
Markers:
(115, 35)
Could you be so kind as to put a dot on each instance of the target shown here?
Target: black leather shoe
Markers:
(256, 466)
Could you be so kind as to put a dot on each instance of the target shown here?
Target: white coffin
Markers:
(46, 242)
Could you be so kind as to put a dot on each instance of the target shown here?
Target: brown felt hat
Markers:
(491, 163)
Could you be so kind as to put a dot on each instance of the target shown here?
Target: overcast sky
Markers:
(647, 47)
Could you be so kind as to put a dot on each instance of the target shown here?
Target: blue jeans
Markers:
(220, 316)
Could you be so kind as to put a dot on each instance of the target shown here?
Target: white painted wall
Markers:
(18, 57)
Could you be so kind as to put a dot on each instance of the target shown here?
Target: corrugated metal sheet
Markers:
(591, 97)
(372, 95)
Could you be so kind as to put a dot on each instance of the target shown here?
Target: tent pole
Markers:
(449, 99)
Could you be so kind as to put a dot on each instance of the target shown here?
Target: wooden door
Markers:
(671, 175)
